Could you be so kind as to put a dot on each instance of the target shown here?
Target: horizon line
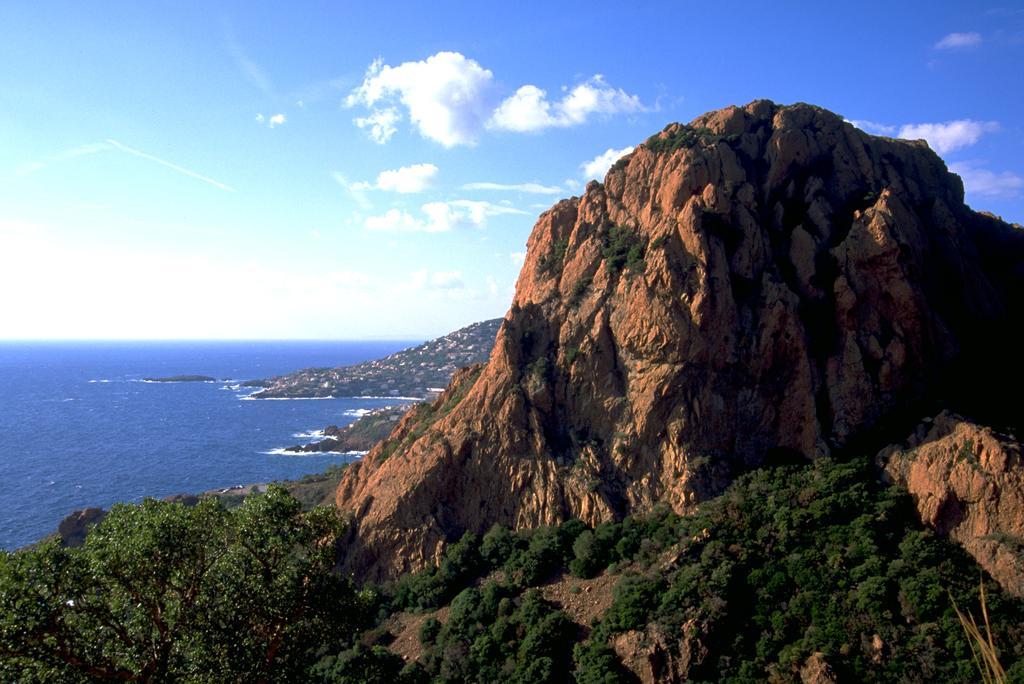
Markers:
(4, 340)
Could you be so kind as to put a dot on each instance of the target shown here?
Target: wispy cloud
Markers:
(981, 181)
(949, 136)
(873, 127)
(532, 188)
(357, 190)
(440, 217)
(170, 165)
(953, 41)
(943, 137)
(81, 151)
(251, 71)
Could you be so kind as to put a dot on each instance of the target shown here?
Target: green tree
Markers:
(162, 591)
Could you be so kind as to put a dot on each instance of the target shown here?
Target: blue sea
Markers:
(79, 428)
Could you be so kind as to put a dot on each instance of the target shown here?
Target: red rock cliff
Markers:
(767, 282)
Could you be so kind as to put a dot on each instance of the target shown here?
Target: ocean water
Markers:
(79, 428)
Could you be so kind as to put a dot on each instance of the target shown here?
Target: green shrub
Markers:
(571, 352)
(578, 290)
(635, 597)
(594, 551)
(161, 591)
(683, 136)
(499, 544)
(597, 663)
(552, 263)
(373, 665)
(623, 249)
(429, 630)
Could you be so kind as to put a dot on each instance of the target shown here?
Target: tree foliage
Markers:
(163, 591)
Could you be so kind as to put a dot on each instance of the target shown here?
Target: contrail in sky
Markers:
(170, 165)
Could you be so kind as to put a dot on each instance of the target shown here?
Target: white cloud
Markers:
(439, 217)
(448, 98)
(533, 188)
(518, 259)
(599, 165)
(981, 181)
(444, 94)
(949, 136)
(357, 190)
(873, 127)
(271, 121)
(407, 179)
(381, 123)
(958, 40)
(395, 220)
(530, 110)
(572, 184)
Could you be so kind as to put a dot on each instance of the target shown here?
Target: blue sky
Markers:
(351, 171)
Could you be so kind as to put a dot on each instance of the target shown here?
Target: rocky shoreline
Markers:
(357, 437)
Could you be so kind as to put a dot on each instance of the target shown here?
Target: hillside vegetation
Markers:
(791, 563)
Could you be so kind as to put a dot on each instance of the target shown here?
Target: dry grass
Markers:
(983, 648)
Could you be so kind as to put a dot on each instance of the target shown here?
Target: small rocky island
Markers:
(417, 372)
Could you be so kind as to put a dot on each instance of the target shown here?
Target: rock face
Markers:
(816, 670)
(766, 283)
(652, 657)
(968, 482)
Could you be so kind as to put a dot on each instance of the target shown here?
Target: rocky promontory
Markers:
(418, 372)
(358, 436)
(763, 285)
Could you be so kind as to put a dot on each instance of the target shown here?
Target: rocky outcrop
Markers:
(816, 670)
(655, 658)
(967, 481)
(766, 283)
(75, 527)
(358, 436)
